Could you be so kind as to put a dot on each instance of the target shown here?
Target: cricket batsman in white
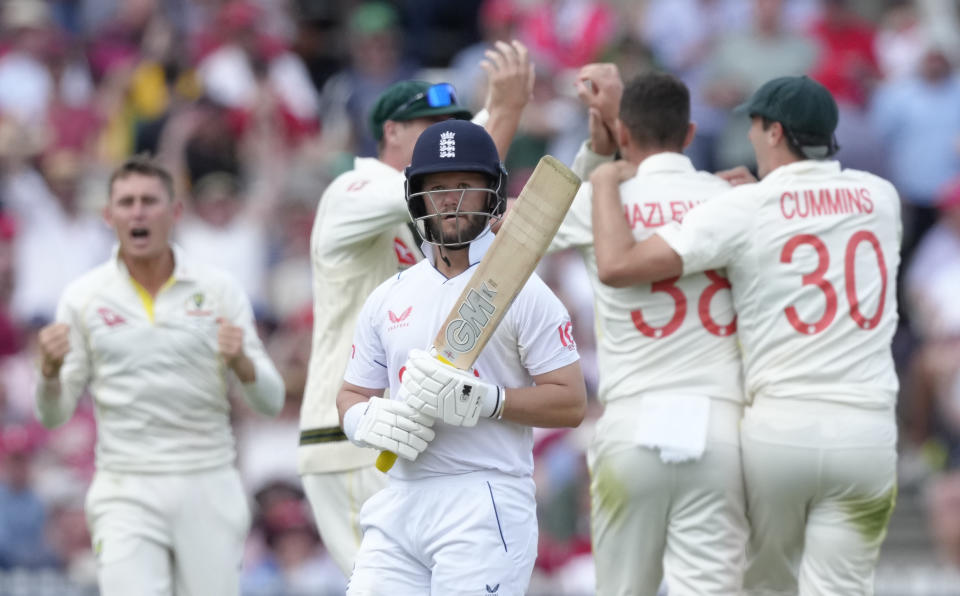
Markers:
(361, 236)
(459, 514)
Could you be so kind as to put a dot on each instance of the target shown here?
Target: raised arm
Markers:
(599, 88)
(621, 260)
(510, 79)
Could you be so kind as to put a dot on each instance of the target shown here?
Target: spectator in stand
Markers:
(565, 34)
(10, 340)
(919, 124)
(22, 514)
(900, 40)
(245, 60)
(219, 231)
(933, 387)
(847, 66)
(26, 85)
(741, 62)
(52, 224)
(376, 63)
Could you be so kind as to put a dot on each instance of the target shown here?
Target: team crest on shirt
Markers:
(399, 320)
(566, 336)
(195, 305)
(110, 318)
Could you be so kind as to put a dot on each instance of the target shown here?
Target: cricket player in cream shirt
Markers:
(361, 236)
(812, 252)
(154, 336)
(666, 481)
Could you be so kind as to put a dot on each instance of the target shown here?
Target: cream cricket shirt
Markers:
(812, 252)
(667, 337)
(360, 238)
(158, 382)
(406, 312)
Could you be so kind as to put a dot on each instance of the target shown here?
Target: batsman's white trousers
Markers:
(165, 534)
(821, 485)
(467, 534)
(336, 499)
(650, 518)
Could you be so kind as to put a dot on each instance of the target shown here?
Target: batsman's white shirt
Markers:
(667, 337)
(812, 252)
(406, 312)
(153, 366)
(360, 238)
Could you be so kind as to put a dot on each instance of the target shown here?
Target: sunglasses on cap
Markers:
(440, 95)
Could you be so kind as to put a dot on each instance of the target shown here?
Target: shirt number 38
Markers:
(717, 283)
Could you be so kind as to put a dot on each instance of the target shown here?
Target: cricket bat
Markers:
(520, 243)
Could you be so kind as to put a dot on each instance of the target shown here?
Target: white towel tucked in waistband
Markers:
(674, 424)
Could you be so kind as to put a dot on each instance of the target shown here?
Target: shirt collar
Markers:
(805, 166)
(181, 269)
(668, 161)
(478, 248)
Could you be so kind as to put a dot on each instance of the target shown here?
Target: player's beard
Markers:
(466, 231)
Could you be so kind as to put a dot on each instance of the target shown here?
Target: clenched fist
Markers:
(229, 341)
(230, 346)
(54, 340)
(600, 89)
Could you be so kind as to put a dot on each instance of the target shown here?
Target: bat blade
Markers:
(521, 242)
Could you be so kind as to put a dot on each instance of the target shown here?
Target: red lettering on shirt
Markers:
(357, 185)
(825, 202)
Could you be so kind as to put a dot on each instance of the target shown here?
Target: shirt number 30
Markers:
(816, 277)
(717, 283)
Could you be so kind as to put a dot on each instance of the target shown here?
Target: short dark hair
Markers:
(792, 144)
(655, 109)
(144, 165)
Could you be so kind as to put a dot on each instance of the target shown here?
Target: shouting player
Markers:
(153, 334)
(458, 514)
(812, 252)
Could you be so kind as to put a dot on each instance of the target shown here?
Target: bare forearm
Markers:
(349, 397)
(502, 126)
(612, 238)
(559, 399)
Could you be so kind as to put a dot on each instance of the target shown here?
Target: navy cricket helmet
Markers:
(454, 146)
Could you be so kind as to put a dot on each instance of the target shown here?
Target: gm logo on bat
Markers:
(463, 333)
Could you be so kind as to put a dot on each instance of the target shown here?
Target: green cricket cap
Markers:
(408, 100)
(800, 104)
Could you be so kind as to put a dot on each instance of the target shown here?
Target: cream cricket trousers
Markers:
(165, 534)
(336, 499)
(650, 518)
(821, 485)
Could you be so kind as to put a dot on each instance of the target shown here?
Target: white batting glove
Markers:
(389, 425)
(441, 391)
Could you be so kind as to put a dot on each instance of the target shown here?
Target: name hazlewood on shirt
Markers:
(825, 201)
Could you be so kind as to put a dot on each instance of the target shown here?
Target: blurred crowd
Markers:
(257, 104)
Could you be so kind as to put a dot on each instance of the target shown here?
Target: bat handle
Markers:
(385, 461)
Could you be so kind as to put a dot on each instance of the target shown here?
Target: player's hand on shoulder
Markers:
(613, 173)
(510, 76)
(455, 396)
(389, 424)
(737, 176)
(229, 340)
(54, 342)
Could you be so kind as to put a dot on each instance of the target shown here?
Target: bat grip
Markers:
(385, 461)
